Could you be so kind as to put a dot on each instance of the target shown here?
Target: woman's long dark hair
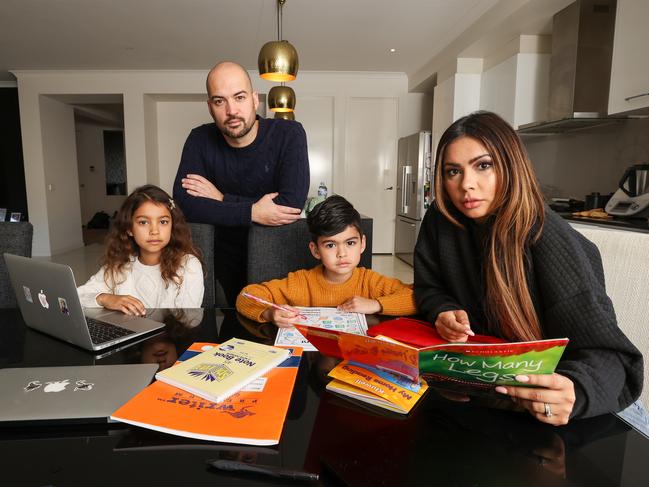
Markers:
(120, 246)
(517, 213)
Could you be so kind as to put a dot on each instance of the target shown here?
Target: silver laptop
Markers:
(48, 299)
(78, 394)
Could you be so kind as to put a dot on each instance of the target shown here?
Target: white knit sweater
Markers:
(145, 283)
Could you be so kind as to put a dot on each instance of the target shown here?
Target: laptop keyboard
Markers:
(102, 332)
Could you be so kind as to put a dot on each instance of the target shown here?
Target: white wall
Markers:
(175, 121)
(161, 106)
(92, 182)
(454, 97)
(62, 191)
(316, 114)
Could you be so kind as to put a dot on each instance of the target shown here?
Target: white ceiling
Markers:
(339, 35)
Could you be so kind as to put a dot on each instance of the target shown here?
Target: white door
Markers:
(370, 164)
(316, 114)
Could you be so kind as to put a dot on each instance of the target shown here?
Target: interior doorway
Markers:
(101, 162)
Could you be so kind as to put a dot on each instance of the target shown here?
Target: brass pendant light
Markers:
(278, 59)
(281, 99)
(285, 115)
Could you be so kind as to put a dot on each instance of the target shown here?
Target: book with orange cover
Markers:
(376, 387)
(254, 416)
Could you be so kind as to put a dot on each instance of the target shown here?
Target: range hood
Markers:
(580, 68)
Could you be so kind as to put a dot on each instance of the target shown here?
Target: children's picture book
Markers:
(482, 364)
(376, 387)
(253, 416)
(327, 318)
(220, 371)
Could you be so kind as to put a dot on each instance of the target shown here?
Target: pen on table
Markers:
(278, 472)
(273, 305)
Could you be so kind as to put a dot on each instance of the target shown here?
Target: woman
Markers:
(492, 258)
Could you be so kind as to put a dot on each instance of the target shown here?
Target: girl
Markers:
(149, 261)
(492, 258)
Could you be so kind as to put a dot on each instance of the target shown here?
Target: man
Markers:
(246, 169)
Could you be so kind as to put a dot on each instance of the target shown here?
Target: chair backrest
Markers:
(625, 257)
(203, 237)
(273, 252)
(15, 238)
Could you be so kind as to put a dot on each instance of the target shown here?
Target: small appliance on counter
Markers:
(596, 200)
(632, 199)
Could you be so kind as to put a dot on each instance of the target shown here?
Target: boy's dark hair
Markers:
(332, 216)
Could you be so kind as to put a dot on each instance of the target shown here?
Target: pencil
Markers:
(273, 305)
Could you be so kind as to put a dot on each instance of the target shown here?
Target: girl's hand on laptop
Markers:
(358, 304)
(282, 318)
(126, 304)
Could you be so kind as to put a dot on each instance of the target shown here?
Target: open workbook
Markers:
(327, 318)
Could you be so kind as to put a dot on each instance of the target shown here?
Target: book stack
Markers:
(220, 371)
(480, 364)
(376, 387)
(248, 411)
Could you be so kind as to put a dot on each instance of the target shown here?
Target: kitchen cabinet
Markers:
(453, 98)
(517, 88)
(629, 89)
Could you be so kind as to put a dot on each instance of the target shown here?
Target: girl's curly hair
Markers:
(121, 247)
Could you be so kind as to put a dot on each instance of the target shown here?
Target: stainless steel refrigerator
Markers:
(414, 191)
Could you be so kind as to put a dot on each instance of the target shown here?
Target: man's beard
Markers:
(237, 133)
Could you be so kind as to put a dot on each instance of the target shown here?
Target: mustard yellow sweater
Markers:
(309, 288)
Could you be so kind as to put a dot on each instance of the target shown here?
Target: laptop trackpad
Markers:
(135, 323)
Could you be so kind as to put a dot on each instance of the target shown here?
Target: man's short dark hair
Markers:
(332, 216)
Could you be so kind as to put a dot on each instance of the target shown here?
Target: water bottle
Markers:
(322, 190)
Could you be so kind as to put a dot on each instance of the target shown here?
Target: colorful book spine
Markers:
(376, 387)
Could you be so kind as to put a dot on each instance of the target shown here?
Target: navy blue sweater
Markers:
(277, 161)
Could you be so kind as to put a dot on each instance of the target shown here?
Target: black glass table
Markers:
(441, 442)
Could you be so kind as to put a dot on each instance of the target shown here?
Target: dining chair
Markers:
(273, 252)
(15, 238)
(203, 238)
(625, 257)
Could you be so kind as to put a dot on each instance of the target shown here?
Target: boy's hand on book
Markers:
(282, 318)
(126, 304)
(454, 325)
(550, 399)
(358, 304)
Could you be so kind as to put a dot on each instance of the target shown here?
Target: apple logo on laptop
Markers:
(56, 386)
(43, 299)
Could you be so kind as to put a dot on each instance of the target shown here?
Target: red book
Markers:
(419, 333)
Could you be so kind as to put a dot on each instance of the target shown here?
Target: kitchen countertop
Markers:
(630, 224)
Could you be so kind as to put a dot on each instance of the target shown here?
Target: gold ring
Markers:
(548, 411)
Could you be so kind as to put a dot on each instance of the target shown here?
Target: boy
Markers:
(338, 242)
